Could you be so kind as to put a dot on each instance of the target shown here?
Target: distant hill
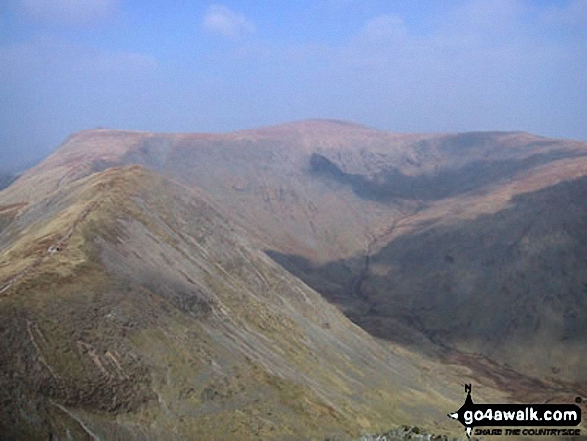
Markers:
(6, 179)
(466, 249)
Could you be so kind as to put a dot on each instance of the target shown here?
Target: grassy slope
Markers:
(265, 178)
(156, 318)
(487, 275)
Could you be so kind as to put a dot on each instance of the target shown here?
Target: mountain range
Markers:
(313, 280)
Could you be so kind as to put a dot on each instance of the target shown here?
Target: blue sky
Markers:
(404, 65)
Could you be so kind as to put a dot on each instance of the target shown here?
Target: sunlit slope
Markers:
(320, 189)
(498, 271)
(390, 227)
(132, 309)
(262, 178)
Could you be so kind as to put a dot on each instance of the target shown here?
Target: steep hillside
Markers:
(132, 309)
(491, 284)
(513, 279)
(467, 247)
(319, 189)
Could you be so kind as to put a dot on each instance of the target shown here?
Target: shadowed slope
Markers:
(350, 206)
(271, 180)
(132, 309)
(487, 285)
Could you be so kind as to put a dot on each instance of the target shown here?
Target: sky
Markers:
(199, 66)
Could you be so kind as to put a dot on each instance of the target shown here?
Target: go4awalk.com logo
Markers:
(514, 419)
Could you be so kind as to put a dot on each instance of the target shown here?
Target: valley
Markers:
(311, 280)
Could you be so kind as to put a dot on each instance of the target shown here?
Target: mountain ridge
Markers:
(365, 218)
(163, 298)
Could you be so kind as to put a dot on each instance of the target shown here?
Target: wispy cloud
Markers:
(221, 20)
(70, 12)
(409, 66)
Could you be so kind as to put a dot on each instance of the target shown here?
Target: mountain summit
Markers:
(313, 279)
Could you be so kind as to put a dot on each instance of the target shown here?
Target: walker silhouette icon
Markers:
(459, 415)
(510, 415)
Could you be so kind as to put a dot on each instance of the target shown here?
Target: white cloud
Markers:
(221, 20)
(77, 12)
